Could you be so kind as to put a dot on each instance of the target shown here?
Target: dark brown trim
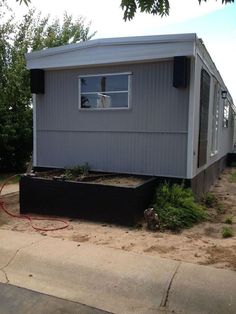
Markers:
(202, 182)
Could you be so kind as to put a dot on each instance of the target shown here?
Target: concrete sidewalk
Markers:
(113, 280)
(15, 300)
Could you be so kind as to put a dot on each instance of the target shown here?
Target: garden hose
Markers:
(30, 219)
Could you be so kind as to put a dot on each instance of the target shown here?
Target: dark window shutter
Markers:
(37, 81)
(181, 71)
(203, 118)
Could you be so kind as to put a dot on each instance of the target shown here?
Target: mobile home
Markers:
(150, 105)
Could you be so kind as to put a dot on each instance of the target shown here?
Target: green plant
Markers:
(176, 207)
(154, 7)
(32, 32)
(209, 200)
(229, 220)
(227, 232)
(73, 173)
(232, 177)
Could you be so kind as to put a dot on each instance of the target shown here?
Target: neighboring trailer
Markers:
(153, 105)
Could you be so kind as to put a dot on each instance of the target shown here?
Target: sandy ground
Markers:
(10, 188)
(202, 244)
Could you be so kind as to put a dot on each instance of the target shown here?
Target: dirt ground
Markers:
(202, 244)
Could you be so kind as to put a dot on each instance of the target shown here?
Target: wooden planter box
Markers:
(85, 200)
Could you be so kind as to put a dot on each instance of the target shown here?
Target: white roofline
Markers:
(113, 51)
(176, 38)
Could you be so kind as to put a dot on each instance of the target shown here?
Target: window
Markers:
(104, 91)
(215, 119)
(226, 113)
(203, 119)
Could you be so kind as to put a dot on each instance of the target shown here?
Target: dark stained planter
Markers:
(85, 200)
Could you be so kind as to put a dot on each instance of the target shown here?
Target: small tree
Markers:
(32, 33)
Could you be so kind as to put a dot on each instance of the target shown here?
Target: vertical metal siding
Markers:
(225, 134)
(150, 138)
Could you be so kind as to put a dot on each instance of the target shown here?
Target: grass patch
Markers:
(227, 232)
(229, 220)
(209, 200)
(176, 207)
(5, 176)
(232, 177)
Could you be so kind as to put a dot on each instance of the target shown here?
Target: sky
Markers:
(213, 22)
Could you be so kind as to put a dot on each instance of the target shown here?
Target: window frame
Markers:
(225, 123)
(215, 119)
(129, 74)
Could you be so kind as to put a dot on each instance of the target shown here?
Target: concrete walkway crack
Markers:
(164, 302)
(5, 275)
(13, 257)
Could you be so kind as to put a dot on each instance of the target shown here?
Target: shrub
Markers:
(227, 232)
(176, 207)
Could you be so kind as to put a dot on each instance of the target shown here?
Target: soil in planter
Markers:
(129, 181)
(96, 177)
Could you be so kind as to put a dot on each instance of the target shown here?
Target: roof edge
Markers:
(135, 40)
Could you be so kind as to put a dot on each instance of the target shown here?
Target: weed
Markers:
(232, 177)
(176, 207)
(220, 208)
(209, 200)
(73, 173)
(229, 220)
(227, 232)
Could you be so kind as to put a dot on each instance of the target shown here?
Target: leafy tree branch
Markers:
(154, 7)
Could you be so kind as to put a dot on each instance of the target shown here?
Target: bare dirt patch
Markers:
(202, 244)
(122, 181)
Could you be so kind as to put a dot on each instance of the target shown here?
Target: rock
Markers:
(151, 219)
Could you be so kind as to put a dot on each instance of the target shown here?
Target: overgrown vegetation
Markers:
(33, 32)
(176, 207)
(227, 232)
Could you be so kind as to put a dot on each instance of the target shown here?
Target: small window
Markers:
(105, 91)
(226, 114)
(215, 119)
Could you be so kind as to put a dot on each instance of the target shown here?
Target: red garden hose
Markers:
(3, 207)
